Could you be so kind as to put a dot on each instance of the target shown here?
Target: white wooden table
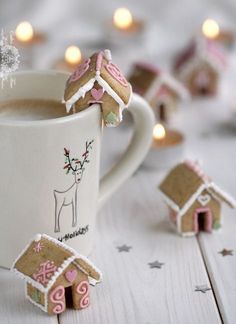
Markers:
(131, 291)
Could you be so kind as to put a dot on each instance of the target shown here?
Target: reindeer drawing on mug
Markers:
(69, 197)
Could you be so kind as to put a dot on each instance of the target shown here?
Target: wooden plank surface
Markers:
(14, 308)
(131, 292)
(221, 269)
(212, 138)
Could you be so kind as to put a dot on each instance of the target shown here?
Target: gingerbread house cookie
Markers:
(194, 200)
(159, 88)
(200, 65)
(53, 273)
(98, 80)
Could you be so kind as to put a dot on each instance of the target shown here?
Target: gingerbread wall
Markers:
(80, 298)
(213, 83)
(187, 220)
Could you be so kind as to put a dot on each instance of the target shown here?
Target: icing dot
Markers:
(37, 237)
(107, 54)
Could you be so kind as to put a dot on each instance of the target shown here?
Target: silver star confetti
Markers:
(155, 264)
(202, 288)
(226, 252)
(124, 248)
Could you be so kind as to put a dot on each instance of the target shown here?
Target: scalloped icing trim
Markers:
(89, 85)
(188, 204)
(170, 82)
(60, 269)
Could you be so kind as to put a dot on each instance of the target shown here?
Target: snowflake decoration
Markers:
(9, 58)
(38, 247)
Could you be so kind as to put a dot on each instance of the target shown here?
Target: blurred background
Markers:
(88, 24)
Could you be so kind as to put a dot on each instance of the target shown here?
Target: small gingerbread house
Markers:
(98, 81)
(160, 89)
(200, 65)
(55, 274)
(194, 201)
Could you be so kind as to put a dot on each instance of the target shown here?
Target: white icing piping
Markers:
(170, 202)
(192, 199)
(77, 255)
(60, 269)
(169, 81)
(58, 272)
(107, 54)
(194, 63)
(44, 308)
(188, 234)
(222, 193)
(110, 91)
(178, 224)
(88, 86)
(80, 93)
(211, 192)
(176, 86)
(151, 93)
(53, 278)
(201, 53)
(92, 281)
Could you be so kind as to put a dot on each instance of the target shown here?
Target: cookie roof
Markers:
(201, 49)
(155, 81)
(98, 68)
(44, 248)
(185, 183)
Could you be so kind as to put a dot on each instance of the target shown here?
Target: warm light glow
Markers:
(159, 132)
(122, 18)
(24, 31)
(73, 55)
(210, 28)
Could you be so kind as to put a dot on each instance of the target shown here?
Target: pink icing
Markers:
(57, 298)
(45, 272)
(207, 221)
(97, 93)
(38, 247)
(163, 92)
(196, 168)
(99, 61)
(216, 52)
(80, 71)
(116, 73)
(202, 78)
(70, 275)
(83, 289)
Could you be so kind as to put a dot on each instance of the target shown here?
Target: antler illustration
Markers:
(75, 164)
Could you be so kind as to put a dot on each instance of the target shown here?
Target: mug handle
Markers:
(134, 155)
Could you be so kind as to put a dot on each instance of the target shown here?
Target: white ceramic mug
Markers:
(36, 194)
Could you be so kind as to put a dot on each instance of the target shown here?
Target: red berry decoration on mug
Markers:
(99, 81)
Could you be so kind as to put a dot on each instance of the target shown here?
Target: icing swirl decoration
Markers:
(57, 298)
(80, 71)
(83, 289)
(116, 74)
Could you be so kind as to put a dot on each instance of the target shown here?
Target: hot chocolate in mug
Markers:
(49, 167)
